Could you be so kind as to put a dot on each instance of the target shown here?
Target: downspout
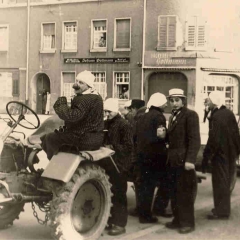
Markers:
(143, 47)
(28, 37)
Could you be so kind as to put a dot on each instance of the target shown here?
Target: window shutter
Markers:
(201, 36)
(15, 87)
(167, 32)
(123, 33)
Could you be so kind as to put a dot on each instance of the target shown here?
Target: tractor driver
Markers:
(83, 119)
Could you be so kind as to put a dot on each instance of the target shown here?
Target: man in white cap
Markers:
(119, 138)
(222, 149)
(83, 119)
(184, 144)
(151, 154)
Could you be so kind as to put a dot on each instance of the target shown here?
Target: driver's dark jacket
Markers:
(83, 120)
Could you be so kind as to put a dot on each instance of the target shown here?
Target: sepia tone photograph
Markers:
(119, 119)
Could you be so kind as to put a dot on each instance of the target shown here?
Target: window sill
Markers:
(195, 49)
(166, 48)
(98, 50)
(48, 51)
(69, 50)
(121, 49)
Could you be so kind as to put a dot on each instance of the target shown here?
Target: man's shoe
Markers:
(148, 220)
(133, 212)
(116, 230)
(216, 217)
(172, 225)
(184, 230)
(162, 214)
(109, 227)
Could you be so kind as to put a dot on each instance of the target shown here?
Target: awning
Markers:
(169, 68)
(220, 70)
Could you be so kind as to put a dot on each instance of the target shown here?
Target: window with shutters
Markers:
(6, 84)
(100, 83)
(195, 33)
(99, 36)
(48, 37)
(68, 79)
(69, 37)
(15, 87)
(121, 85)
(4, 37)
(167, 29)
(122, 34)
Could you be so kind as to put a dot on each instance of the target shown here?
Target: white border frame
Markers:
(113, 84)
(41, 47)
(61, 87)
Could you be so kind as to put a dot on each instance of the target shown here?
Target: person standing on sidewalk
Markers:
(119, 138)
(151, 155)
(222, 149)
(184, 144)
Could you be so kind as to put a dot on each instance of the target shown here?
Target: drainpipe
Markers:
(143, 48)
(28, 37)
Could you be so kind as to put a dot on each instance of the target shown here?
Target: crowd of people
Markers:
(150, 152)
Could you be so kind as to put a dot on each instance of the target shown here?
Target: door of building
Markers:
(164, 81)
(43, 86)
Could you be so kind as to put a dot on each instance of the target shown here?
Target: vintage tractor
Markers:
(73, 191)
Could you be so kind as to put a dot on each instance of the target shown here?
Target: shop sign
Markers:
(156, 59)
(96, 60)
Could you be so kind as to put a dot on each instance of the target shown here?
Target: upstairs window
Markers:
(100, 84)
(195, 34)
(68, 79)
(48, 36)
(167, 29)
(99, 35)
(122, 36)
(121, 85)
(4, 37)
(70, 36)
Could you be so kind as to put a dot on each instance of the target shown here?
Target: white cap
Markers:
(217, 98)
(157, 100)
(176, 92)
(87, 77)
(111, 104)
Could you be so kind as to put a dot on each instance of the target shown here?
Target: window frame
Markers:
(52, 50)
(99, 49)
(115, 36)
(7, 45)
(198, 22)
(167, 48)
(115, 84)
(63, 36)
(62, 81)
(104, 83)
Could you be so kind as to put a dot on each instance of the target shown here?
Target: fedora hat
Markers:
(176, 92)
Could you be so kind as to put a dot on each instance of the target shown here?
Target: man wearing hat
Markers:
(83, 120)
(222, 149)
(119, 138)
(184, 144)
(151, 154)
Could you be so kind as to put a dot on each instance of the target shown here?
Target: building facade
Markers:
(133, 47)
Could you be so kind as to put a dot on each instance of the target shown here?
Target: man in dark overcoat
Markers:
(223, 149)
(119, 138)
(151, 154)
(83, 119)
(184, 144)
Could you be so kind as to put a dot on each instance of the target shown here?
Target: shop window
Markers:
(15, 87)
(4, 37)
(167, 29)
(99, 35)
(195, 34)
(48, 37)
(6, 84)
(122, 36)
(69, 37)
(122, 85)
(100, 83)
(68, 79)
(226, 83)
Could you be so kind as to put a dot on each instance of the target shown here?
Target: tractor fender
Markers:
(62, 166)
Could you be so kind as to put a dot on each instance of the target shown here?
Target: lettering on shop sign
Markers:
(96, 60)
(164, 59)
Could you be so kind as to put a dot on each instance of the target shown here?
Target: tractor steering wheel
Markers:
(20, 112)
